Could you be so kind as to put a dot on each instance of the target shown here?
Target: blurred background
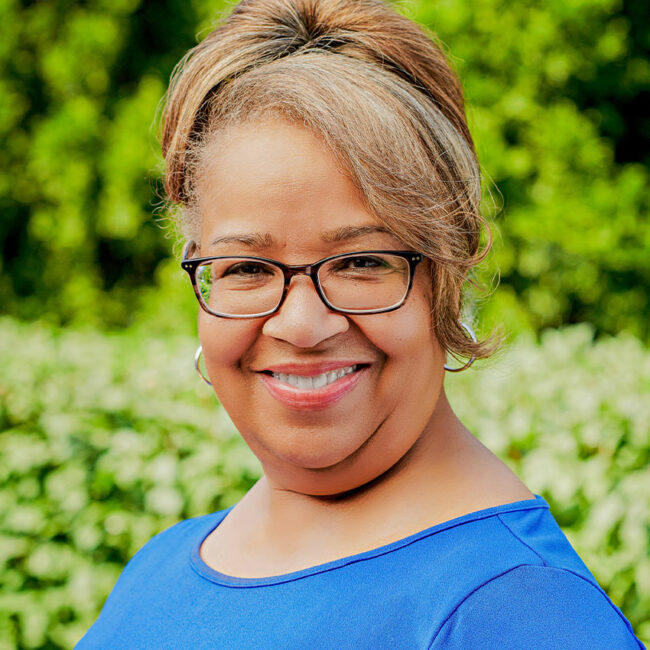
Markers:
(106, 434)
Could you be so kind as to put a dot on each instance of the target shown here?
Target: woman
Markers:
(329, 195)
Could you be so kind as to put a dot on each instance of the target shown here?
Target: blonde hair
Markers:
(381, 94)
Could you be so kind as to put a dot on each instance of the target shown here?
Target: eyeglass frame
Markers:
(190, 265)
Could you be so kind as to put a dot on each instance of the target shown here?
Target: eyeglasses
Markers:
(364, 282)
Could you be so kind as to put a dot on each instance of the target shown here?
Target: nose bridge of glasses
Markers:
(303, 269)
(309, 270)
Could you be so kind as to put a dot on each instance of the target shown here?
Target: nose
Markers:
(303, 319)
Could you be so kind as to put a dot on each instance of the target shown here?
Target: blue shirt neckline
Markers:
(206, 572)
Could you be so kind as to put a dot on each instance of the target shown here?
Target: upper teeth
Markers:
(317, 381)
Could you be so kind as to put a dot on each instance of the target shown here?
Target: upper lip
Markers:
(310, 369)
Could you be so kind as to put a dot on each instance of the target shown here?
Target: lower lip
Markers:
(300, 399)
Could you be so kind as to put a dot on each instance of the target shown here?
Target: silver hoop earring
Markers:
(197, 359)
(470, 331)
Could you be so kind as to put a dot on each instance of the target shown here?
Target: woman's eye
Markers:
(362, 262)
(246, 269)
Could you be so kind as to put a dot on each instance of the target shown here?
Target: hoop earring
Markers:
(470, 331)
(197, 358)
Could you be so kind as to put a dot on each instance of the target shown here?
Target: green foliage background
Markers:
(559, 106)
(106, 434)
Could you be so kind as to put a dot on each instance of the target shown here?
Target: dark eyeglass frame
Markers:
(190, 265)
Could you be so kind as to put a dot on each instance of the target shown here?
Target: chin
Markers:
(305, 451)
(317, 460)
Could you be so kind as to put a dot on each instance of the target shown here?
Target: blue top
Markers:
(502, 577)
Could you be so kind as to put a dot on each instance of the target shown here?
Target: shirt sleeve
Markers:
(537, 608)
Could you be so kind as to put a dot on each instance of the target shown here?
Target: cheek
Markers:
(225, 342)
(406, 338)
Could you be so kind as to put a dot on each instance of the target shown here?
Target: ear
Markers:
(189, 249)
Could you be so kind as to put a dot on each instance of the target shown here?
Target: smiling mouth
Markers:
(315, 382)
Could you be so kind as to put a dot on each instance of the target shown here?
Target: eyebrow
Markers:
(251, 239)
(264, 240)
(352, 232)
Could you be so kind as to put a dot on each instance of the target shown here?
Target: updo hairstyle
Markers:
(380, 93)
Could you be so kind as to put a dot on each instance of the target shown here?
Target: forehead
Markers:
(280, 181)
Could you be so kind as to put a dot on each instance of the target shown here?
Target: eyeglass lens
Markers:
(241, 287)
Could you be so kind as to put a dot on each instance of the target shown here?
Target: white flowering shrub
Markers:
(572, 418)
(108, 439)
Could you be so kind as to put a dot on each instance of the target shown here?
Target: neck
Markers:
(446, 474)
(424, 483)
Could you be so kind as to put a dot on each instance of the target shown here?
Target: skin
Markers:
(388, 459)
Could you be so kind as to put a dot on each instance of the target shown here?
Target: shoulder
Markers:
(183, 531)
(170, 547)
(535, 607)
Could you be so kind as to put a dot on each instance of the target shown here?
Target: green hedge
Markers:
(108, 439)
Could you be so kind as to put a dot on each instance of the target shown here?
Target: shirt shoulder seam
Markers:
(469, 595)
(521, 541)
(519, 566)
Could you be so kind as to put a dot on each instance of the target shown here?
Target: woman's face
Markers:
(273, 189)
